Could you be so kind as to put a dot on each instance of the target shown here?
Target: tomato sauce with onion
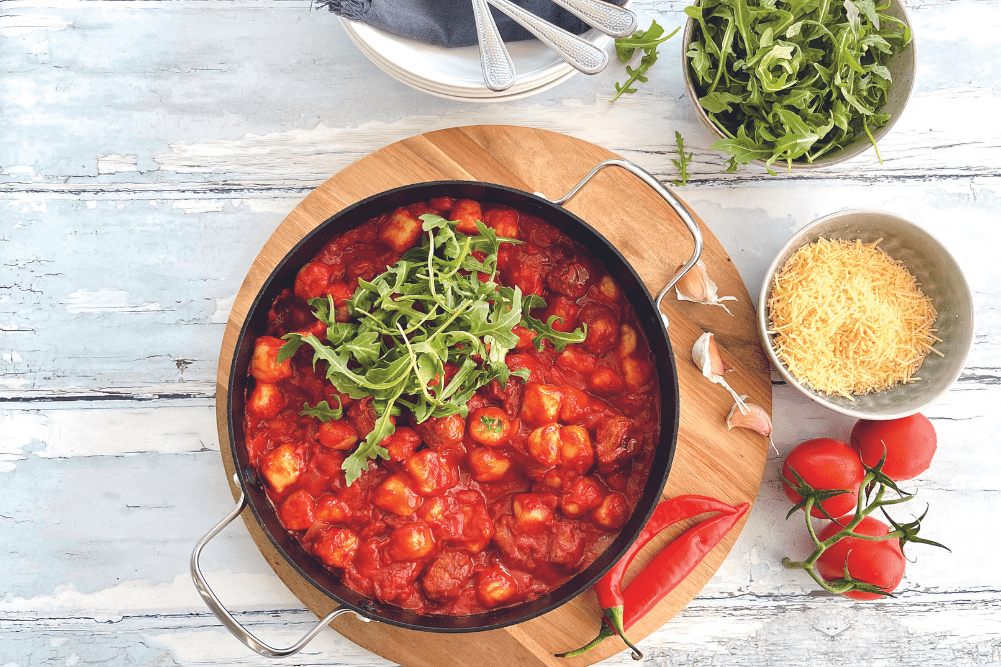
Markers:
(468, 513)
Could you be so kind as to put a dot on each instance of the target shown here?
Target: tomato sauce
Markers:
(468, 513)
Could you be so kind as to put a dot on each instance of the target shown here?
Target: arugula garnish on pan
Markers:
(792, 80)
(428, 309)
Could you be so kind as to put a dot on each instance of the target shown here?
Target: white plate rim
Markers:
(426, 87)
(428, 66)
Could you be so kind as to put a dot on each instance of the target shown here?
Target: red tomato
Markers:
(825, 464)
(879, 563)
(910, 444)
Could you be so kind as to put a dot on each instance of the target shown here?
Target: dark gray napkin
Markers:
(447, 22)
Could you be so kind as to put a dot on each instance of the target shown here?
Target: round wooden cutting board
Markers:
(710, 460)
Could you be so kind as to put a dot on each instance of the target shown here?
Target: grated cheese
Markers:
(848, 319)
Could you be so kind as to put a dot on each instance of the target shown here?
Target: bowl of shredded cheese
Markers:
(866, 314)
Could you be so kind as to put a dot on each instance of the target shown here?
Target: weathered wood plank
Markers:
(150, 148)
(68, 480)
(149, 322)
(167, 68)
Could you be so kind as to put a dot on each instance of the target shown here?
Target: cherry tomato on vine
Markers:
(879, 563)
(825, 464)
(910, 445)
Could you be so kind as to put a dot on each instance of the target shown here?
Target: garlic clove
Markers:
(696, 286)
(752, 417)
(707, 358)
(706, 353)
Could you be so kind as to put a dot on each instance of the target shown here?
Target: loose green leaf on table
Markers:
(642, 40)
(683, 161)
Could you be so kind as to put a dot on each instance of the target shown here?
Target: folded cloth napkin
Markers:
(448, 23)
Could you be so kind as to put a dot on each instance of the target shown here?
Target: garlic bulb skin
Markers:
(696, 286)
(753, 418)
(707, 359)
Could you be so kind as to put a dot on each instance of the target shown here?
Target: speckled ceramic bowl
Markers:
(940, 279)
(901, 66)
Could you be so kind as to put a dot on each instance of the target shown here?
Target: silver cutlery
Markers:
(498, 68)
(575, 50)
(608, 18)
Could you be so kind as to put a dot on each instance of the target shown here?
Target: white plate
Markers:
(456, 73)
(440, 91)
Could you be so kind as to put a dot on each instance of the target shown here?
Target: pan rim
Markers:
(502, 617)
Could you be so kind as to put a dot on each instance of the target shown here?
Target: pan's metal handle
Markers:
(666, 195)
(240, 632)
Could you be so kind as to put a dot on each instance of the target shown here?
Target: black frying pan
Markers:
(650, 318)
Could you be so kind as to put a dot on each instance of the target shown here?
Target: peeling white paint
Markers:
(29, 203)
(281, 206)
(115, 163)
(246, 591)
(222, 309)
(12, 357)
(964, 623)
(197, 206)
(67, 433)
(105, 300)
(324, 150)
(13, 382)
(18, 429)
(202, 646)
(91, 203)
(19, 170)
(21, 24)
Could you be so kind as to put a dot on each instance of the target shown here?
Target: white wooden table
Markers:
(148, 150)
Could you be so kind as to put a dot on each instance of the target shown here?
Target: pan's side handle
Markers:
(666, 195)
(240, 632)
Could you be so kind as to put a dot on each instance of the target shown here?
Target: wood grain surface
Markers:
(710, 460)
(149, 150)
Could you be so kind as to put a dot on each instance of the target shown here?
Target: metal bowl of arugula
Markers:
(805, 87)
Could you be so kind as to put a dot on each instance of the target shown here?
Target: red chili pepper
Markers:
(667, 569)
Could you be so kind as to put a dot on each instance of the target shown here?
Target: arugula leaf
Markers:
(369, 448)
(323, 411)
(794, 80)
(682, 163)
(427, 310)
(642, 40)
(288, 350)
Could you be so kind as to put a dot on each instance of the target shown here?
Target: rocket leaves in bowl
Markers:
(792, 80)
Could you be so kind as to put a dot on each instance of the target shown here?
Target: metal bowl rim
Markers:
(831, 159)
(803, 237)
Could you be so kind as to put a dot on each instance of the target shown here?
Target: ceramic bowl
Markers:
(939, 277)
(901, 65)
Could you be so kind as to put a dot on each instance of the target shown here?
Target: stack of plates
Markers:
(455, 74)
